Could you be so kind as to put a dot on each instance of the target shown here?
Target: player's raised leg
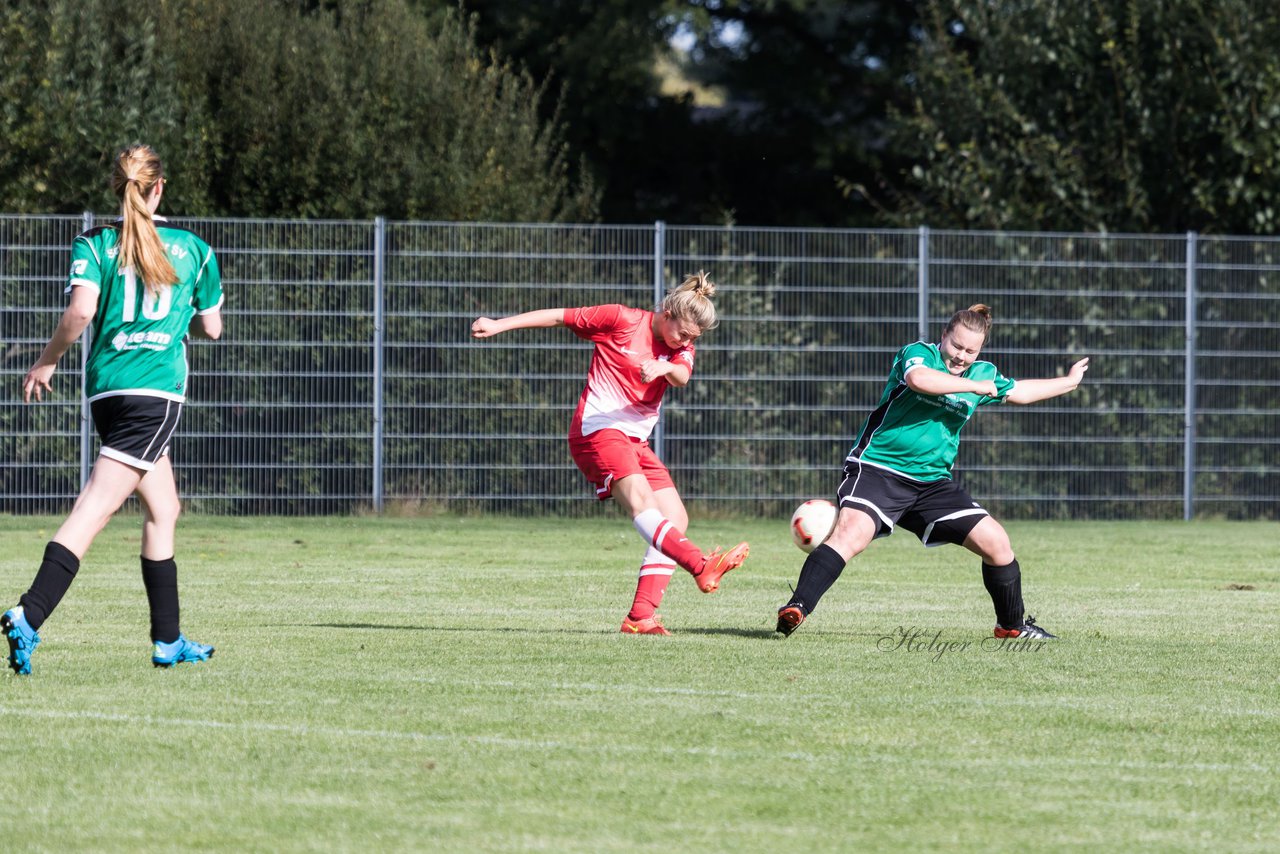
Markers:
(665, 535)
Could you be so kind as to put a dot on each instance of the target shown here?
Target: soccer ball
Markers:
(812, 522)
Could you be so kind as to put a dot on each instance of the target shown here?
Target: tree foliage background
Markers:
(1117, 115)
(1113, 115)
(773, 100)
(277, 108)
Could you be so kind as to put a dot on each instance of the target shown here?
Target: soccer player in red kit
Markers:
(638, 354)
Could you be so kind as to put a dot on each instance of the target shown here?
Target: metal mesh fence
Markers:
(1113, 448)
(281, 419)
(1234, 443)
(40, 444)
(347, 378)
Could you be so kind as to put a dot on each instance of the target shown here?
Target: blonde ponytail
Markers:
(135, 173)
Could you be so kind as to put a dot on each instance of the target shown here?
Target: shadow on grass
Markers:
(505, 629)
(727, 631)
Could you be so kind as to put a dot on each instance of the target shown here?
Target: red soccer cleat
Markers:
(717, 564)
(1028, 629)
(789, 619)
(647, 626)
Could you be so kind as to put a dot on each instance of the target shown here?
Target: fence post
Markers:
(922, 283)
(379, 322)
(1189, 391)
(659, 274)
(86, 414)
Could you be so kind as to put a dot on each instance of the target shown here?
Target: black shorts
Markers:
(938, 512)
(135, 429)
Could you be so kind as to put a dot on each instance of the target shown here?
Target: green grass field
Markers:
(459, 684)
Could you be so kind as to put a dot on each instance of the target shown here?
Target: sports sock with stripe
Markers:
(659, 532)
(655, 574)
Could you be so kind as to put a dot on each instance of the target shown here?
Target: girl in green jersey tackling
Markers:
(144, 285)
(899, 470)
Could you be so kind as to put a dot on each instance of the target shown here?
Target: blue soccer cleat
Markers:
(168, 654)
(22, 640)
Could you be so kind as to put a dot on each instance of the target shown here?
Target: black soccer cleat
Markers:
(790, 617)
(1028, 629)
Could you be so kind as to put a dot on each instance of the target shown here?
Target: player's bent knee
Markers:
(164, 514)
(998, 558)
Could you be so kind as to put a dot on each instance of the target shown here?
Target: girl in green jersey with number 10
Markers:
(144, 285)
(899, 470)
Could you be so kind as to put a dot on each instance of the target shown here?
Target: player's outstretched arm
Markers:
(1033, 391)
(487, 327)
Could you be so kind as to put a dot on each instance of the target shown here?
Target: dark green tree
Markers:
(1113, 116)
(799, 89)
(77, 80)
(277, 108)
(808, 85)
(598, 59)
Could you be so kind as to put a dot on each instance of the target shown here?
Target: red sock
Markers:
(668, 539)
(652, 583)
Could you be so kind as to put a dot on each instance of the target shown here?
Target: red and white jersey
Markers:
(615, 397)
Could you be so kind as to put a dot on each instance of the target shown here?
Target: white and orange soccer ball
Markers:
(812, 522)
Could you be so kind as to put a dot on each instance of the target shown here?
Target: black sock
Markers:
(161, 580)
(817, 575)
(1004, 583)
(56, 572)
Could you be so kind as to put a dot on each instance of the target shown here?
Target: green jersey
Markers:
(138, 337)
(918, 435)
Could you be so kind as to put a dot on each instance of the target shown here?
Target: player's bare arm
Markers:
(1034, 391)
(79, 312)
(543, 318)
(206, 326)
(676, 374)
(924, 380)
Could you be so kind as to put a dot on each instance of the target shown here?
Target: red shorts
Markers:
(607, 455)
